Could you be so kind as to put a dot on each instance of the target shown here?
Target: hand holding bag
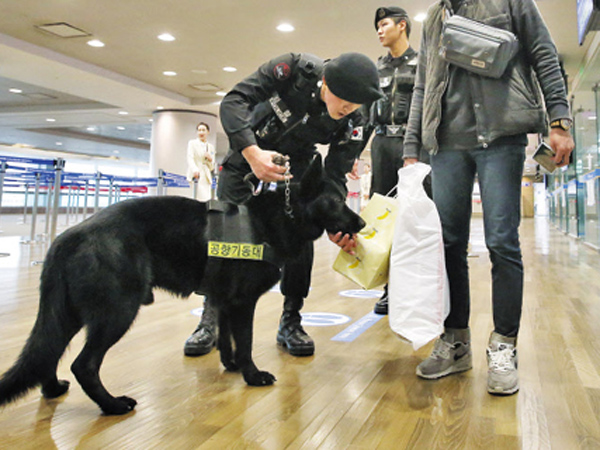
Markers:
(370, 265)
(419, 297)
(477, 47)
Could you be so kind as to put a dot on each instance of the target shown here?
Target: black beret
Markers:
(390, 11)
(353, 77)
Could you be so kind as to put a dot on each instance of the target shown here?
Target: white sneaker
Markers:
(503, 362)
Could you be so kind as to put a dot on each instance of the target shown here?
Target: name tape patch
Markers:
(235, 250)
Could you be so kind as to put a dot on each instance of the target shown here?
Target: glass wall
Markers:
(573, 193)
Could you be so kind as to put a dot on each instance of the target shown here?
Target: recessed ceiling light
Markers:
(229, 69)
(420, 17)
(166, 37)
(169, 73)
(123, 113)
(116, 152)
(15, 91)
(285, 27)
(59, 143)
(160, 107)
(91, 128)
(95, 43)
(591, 117)
(221, 93)
(141, 139)
(120, 128)
(50, 120)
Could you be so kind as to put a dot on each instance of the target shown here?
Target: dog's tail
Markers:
(47, 342)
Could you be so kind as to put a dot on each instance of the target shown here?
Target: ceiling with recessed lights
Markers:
(176, 55)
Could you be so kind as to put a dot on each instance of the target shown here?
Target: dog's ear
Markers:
(310, 185)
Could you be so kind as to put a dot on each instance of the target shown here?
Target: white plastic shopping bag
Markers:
(419, 298)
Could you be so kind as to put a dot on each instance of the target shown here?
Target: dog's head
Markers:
(303, 209)
(320, 206)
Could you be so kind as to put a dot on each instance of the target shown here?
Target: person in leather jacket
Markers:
(476, 126)
(389, 115)
(287, 106)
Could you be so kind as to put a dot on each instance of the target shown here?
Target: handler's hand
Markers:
(346, 242)
(562, 143)
(261, 162)
(410, 161)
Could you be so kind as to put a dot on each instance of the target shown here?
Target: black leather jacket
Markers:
(506, 106)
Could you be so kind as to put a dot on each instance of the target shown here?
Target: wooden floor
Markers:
(351, 395)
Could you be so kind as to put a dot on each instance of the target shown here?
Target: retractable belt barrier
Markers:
(48, 176)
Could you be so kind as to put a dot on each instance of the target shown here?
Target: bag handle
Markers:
(415, 173)
(395, 188)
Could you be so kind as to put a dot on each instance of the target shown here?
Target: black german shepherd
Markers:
(98, 273)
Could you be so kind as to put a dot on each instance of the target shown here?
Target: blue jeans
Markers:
(499, 170)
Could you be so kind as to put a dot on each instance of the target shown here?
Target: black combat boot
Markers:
(291, 335)
(204, 336)
(381, 307)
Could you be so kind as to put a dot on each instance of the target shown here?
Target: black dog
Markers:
(98, 273)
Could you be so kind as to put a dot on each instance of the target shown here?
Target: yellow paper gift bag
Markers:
(370, 265)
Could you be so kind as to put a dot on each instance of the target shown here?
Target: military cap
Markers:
(391, 11)
(353, 77)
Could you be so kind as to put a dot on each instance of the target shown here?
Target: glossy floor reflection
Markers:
(361, 394)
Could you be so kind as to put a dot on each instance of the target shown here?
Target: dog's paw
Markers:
(119, 406)
(260, 379)
(55, 390)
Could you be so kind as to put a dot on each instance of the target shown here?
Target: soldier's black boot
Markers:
(291, 336)
(381, 307)
(204, 336)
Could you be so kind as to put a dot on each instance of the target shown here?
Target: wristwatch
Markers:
(564, 124)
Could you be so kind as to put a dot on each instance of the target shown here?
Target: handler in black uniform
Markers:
(286, 107)
(389, 115)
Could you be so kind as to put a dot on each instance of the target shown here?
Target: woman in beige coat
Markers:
(201, 162)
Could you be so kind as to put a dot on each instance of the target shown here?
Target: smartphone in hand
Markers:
(543, 156)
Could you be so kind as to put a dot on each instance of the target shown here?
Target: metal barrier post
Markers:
(85, 199)
(36, 197)
(110, 191)
(97, 192)
(25, 207)
(78, 188)
(58, 168)
(48, 206)
(68, 215)
(3, 167)
(160, 187)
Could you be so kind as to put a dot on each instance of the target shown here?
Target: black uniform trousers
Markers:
(296, 274)
(386, 160)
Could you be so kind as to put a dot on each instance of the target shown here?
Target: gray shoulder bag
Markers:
(477, 47)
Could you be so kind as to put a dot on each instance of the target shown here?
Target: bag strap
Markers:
(395, 188)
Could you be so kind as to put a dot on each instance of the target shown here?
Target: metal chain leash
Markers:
(288, 205)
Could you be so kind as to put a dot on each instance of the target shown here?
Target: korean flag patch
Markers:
(357, 134)
(282, 71)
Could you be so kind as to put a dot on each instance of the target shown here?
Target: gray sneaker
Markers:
(451, 354)
(503, 376)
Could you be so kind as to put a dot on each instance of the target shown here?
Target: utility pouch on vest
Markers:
(231, 235)
(477, 47)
